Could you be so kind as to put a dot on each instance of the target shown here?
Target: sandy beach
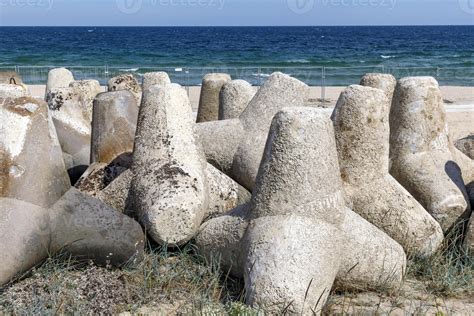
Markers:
(453, 95)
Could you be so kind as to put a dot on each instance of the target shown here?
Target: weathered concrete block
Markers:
(169, 190)
(236, 146)
(291, 207)
(277, 92)
(370, 258)
(116, 193)
(234, 97)
(298, 200)
(220, 140)
(361, 122)
(113, 126)
(126, 82)
(209, 99)
(71, 119)
(24, 236)
(155, 78)
(99, 175)
(421, 151)
(224, 193)
(13, 91)
(220, 239)
(466, 146)
(77, 224)
(26, 135)
(384, 82)
(58, 78)
(89, 229)
(88, 90)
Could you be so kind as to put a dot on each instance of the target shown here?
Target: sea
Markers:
(317, 55)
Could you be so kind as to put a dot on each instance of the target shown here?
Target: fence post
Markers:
(259, 72)
(186, 80)
(323, 84)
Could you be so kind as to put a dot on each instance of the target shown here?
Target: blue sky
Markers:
(235, 12)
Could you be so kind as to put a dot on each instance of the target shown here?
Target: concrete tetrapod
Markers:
(89, 229)
(224, 193)
(361, 123)
(169, 190)
(58, 78)
(88, 90)
(209, 99)
(13, 91)
(466, 146)
(155, 78)
(114, 124)
(234, 97)
(27, 133)
(126, 82)
(298, 200)
(422, 153)
(384, 82)
(220, 140)
(72, 123)
(277, 92)
(236, 146)
(77, 224)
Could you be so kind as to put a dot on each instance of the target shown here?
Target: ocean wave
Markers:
(130, 69)
(261, 75)
(298, 61)
(387, 56)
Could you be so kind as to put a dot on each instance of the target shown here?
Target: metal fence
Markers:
(192, 76)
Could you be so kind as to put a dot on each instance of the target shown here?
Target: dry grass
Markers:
(450, 271)
(169, 282)
(181, 282)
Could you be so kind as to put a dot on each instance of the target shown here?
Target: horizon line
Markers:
(348, 25)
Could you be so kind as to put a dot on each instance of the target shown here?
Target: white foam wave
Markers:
(130, 69)
(261, 75)
(299, 61)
